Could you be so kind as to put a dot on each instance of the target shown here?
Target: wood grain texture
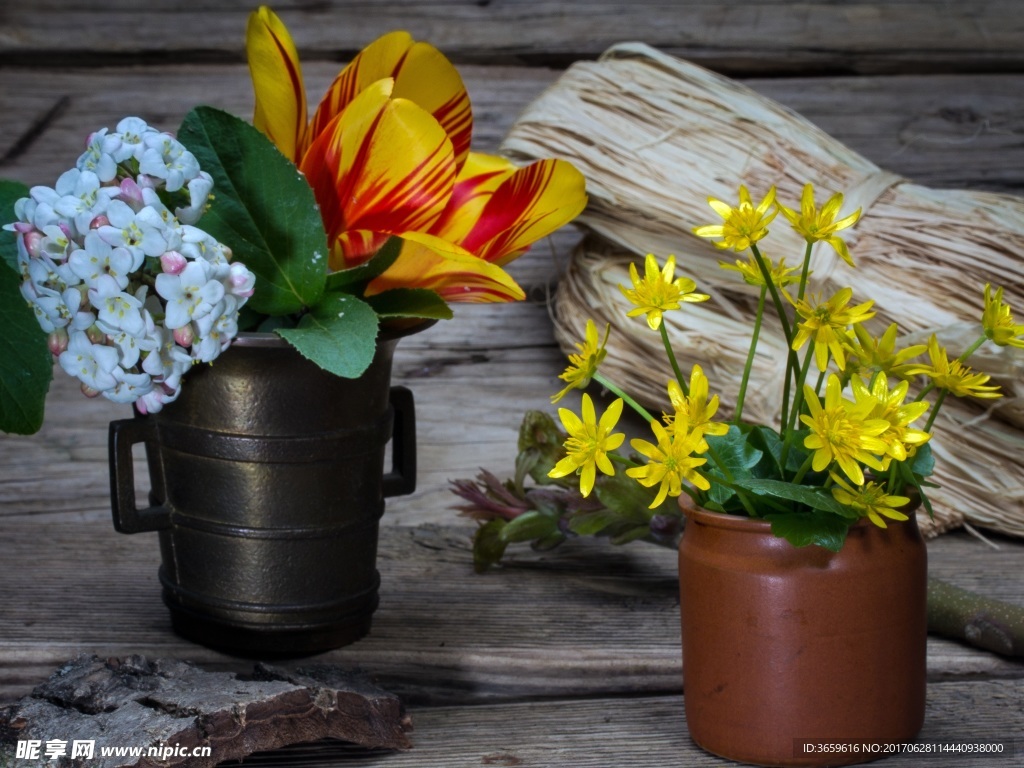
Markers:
(742, 37)
(587, 619)
(643, 732)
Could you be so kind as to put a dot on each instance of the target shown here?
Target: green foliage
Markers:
(263, 208)
(410, 302)
(802, 529)
(339, 334)
(26, 365)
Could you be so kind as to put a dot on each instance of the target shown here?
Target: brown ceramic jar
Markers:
(802, 656)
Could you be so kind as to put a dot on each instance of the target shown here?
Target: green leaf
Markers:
(922, 463)
(812, 496)
(592, 523)
(628, 499)
(632, 534)
(410, 302)
(804, 528)
(734, 450)
(10, 193)
(339, 335)
(26, 365)
(373, 267)
(529, 525)
(262, 208)
(488, 545)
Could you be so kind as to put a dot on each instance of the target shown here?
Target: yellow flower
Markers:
(815, 225)
(583, 366)
(658, 291)
(870, 500)
(671, 461)
(696, 409)
(997, 320)
(842, 433)
(880, 402)
(744, 225)
(588, 443)
(953, 375)
(870, 355)
(827, 324)
(780, 274)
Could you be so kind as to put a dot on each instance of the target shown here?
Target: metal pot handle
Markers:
(401, 480)
(128, 518)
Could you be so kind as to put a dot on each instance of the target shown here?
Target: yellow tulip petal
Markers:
(429, 262)
(277, 81)
(422, 74)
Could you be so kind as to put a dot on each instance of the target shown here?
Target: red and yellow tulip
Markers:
(387, 152)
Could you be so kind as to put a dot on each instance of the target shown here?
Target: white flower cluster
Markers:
(131, 294)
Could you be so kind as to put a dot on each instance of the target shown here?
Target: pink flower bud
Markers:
(23, 227)
(66, 230)
(173, 262)
(89, 391)
(184, 336)
(131, 194)
(33, 243)
(99, 221)
(57, 341)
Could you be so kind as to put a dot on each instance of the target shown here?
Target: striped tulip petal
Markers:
(530, 204)
(458, 276)
(476, 183)
(421, 73)
(277, 81)
(384, 165)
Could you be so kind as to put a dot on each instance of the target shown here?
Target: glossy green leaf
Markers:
(262, 208)
(10, 193)
(593, 523)
(814, 497)
(354, 278)
(410, 302)
(26, 365)
(803, 529)
(339, 335)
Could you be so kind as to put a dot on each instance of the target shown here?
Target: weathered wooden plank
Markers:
(750, 36)
(587, 619)
(945, 131)
(645, 732)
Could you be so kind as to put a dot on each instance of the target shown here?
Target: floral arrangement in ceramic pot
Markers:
(374, 212)
(851, 441)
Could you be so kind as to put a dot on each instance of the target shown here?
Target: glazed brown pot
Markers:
(798, 655)
(268, 483)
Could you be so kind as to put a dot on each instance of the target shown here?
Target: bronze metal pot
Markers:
(802, 656)
(268, 485)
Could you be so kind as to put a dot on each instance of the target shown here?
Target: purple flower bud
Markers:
(99, 221)
(173, 262)
(131, 194)
(57, 341)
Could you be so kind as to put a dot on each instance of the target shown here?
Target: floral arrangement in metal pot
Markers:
(851, 441)
(372, 212)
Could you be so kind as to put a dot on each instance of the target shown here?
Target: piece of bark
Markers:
(163, 703)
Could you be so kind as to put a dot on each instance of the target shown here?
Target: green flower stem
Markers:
(792, 362)
(643, 412)
(624, 460)
(935, 410)
(798, 402)
(755, 334)
(740, 493)
(925, 392)
(803, 469)
(672, 359)
(972, 349)
(805, 271)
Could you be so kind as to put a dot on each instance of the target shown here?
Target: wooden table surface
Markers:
(567, 658)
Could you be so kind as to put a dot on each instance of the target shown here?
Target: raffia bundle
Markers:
(655, 136)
